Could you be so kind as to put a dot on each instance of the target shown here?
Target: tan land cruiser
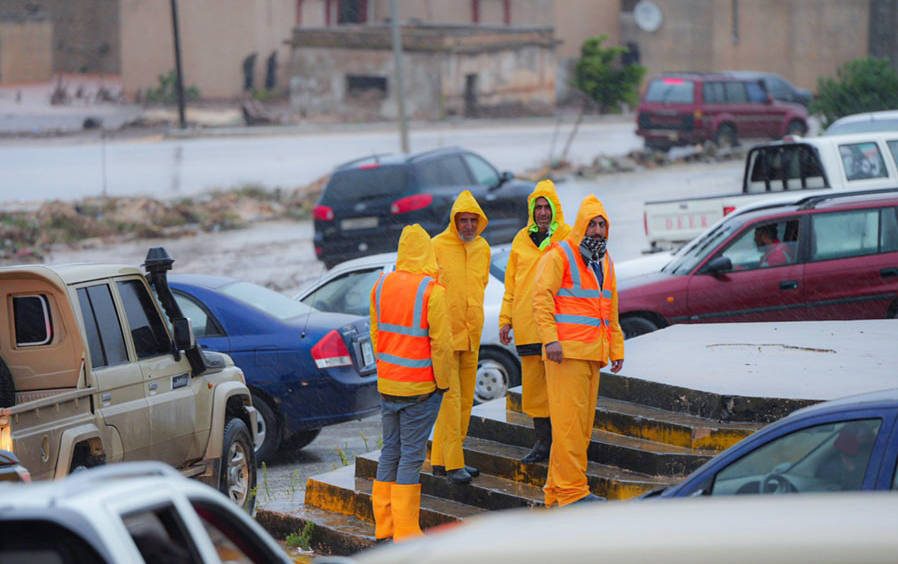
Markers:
(94, 369)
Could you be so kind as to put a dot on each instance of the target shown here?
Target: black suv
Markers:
(367, 202)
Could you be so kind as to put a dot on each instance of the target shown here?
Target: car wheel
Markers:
(301, 439)
(268, 429)
(7, 387)
(726, 136)
(796, 127)
(496, 372)
(237, 476)
(635, 326)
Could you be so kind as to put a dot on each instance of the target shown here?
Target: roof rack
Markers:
(812, 201)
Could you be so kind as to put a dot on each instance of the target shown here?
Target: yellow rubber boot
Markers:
(381, 502)
(406, 499)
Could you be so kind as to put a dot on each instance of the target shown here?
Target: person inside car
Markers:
(776, 252)
(846, 465)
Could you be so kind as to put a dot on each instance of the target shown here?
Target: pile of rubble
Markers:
(26, 235)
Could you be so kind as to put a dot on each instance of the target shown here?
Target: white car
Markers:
(128, 512)
(346, 288)
(819, 528)
(864, 123)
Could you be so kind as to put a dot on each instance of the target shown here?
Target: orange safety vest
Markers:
(582, 309)
(403, 335)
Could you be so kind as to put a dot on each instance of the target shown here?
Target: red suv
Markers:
(822, 258)
(689, 108)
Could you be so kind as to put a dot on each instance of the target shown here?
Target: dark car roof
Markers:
(880, 398)
(839, 200)
(385, 159)
(202, 280)
(696, 75)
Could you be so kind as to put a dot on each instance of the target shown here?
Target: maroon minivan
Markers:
(823, 258)
(690, 108)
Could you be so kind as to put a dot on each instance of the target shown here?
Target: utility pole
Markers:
(179, 77)
(397, 61)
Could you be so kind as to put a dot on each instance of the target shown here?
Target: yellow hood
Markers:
(545, 189)
(416, 252)
(590, 207)
(465, 203)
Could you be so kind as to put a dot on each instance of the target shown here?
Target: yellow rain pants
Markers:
(455, 412)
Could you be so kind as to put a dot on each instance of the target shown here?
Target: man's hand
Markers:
(616, 365)
(553, 352)
(504, 334)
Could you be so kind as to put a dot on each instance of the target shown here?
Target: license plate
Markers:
(367, 353)
(358, 223)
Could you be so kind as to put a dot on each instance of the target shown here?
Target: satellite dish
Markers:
(647, 15)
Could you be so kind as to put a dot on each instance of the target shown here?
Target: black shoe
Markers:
(459, 476)
(388, 540)
(438, 470)
(542, 428)
(539, 453)
(589, 499)
(474, 472)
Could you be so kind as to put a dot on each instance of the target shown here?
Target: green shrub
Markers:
(602, 76)
(166, 93)
(861, 85)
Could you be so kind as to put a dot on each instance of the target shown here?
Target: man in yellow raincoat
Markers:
(413, 344)
(463, 257)
(576, 313)
(545, 228)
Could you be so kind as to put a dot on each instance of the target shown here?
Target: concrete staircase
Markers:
(646, 435)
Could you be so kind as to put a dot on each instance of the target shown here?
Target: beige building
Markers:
(26, 44)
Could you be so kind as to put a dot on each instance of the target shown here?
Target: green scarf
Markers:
(552, 226)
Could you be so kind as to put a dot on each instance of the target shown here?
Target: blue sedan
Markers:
(306, 369)
(841, 445)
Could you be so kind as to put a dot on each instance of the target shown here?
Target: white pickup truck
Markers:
(780, 169)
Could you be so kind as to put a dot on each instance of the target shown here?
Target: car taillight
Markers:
(697, 115)
(727, 210)
(331, 351)
(323, 213)
(411, 203)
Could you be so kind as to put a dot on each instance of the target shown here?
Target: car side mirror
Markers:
(719, 265)
(184, 338)
(503, 178)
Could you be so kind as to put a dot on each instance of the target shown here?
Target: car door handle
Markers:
(886, 272)
(788, 284)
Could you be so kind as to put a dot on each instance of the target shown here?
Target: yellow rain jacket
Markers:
(416, 256)
(520, 274)
(464, 272)
(550, 274)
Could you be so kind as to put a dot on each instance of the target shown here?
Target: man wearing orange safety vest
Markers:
(412, 340)
(464, 260)
(546, 226)
(575, 309)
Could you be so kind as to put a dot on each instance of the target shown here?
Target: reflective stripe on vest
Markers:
(414, 330)
(578, 291)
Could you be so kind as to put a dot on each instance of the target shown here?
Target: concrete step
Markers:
(332, 533)
(659, 425)
(486, 491)
(493, 422)
(341, 492)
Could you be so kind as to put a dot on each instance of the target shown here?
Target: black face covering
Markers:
(593, 248)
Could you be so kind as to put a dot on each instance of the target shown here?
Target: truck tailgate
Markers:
(673, 222)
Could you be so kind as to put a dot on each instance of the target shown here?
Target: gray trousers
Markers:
(406, 426)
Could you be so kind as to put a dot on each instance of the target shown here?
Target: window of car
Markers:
(862, 161)
(756, 92)
(202, 323)
(778, 88)
(734, 92)
(160, 535)
(483, 172)
(234, 542)
(670, 90)
(347, 293)
(32, 321)
(888, 237)
(844, 234)
(713, 93)
(268, 301)
(37, 541)
(102, 327)
(764, 245)
(785, 167)
(694, 253)
(442, 171)
(147, 329)
(893, 147)
(499, 262)
(365, 182)
(826, 457)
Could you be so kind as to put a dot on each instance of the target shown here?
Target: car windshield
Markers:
(865, 126)
(684, 261)
(269, 301)
(499, 262)
(671, 91)
(365, 183)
